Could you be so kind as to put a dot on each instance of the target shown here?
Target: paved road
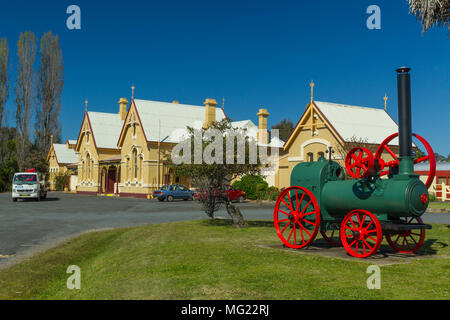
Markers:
(27, 226)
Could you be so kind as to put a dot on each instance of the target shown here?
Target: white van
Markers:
(28, 185)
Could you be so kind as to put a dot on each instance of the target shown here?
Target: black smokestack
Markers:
(404, 112)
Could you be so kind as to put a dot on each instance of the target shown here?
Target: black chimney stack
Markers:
(404, 112)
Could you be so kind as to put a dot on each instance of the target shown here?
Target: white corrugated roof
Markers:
(167, 121)
(72, 141)
(369, 124)
(106, 128)
(64, 155)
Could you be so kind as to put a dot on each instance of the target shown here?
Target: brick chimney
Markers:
(210, 112)
(263, 135)
(123, 103)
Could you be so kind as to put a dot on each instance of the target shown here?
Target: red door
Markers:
(111, 179)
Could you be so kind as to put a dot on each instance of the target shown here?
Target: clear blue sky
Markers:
(254, 53)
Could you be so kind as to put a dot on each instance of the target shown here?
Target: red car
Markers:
(232, 193)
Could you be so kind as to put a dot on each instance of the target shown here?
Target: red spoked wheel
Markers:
(361, 233)
(408, 241)
(296, 217)
(332, 237)
(359, 162)
(394, 162)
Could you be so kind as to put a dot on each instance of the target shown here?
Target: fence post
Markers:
(443, 192)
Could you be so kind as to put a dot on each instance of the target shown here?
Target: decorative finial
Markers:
(86, 103)
(385, 102)
(51, 140)
(312, 90)
(223, 102)
(132, 92)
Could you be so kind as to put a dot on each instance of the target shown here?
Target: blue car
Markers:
(173, 191)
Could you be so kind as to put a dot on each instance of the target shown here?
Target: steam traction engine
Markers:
(358, 213)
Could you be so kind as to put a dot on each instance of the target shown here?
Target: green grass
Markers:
(439, 205)
(213, 260)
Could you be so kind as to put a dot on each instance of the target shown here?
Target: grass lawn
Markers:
(439, 205)
(213, 260)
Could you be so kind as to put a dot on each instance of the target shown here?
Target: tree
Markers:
(49, 89)
(210, 176)
(4, 76)
(8, 159)
(431, 12)
(286, 127)
(24, 90)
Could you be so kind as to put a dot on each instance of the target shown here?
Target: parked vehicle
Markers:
(29, 184)
(232, 193)
(174, 191)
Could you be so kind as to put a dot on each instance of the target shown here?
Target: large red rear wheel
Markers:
(361, 233)
(408, 241)
(430, 157)
(296, 217)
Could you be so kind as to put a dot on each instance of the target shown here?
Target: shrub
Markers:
(261, 191)
(249, 183)
(61, 181)
(273, 193)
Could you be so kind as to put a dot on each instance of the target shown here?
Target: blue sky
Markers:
(254, 53)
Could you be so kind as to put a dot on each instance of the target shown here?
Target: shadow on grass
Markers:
(229, 222)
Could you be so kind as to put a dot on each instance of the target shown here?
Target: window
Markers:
(141, 169)
(88, 164)
(320, 154)
(310, 156)
(135, 160)
(441, 180)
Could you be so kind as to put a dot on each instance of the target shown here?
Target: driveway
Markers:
(29, 226)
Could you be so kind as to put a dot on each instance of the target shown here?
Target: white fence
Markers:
(442, 192)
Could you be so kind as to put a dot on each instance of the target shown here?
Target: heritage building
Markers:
(341, 127)
(126, 153)
(62, 159)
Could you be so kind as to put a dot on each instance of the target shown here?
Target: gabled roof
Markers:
(64, 155)
(105, 128)
(168, 121)
(350, 123)
(369, 124)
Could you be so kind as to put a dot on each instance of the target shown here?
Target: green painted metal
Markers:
(399, 196)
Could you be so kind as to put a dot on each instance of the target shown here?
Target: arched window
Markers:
(92, 170)
(310, 156)
(135, 163)
(320, 154)
(141, 171)
(88, 165)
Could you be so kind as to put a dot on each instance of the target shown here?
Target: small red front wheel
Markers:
(332, 237)
(408, 241)
(361, 233)
(359, 162)
(296, 217)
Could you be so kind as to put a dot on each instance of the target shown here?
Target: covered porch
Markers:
(109, 176)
